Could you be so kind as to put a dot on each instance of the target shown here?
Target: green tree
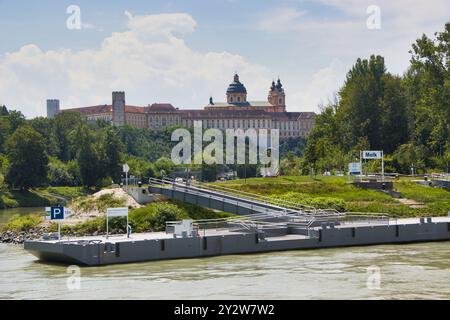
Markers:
(141, 168)
(16, 119)
(428, 81)
(394, 114)
(28, 160)
(359, 107)
(91, 169)
(63, 174)
(64, 128)
(164, 164)
(113, 149)
(46, 127)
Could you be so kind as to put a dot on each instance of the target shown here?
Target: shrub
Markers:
(62, 174)
(23, 223)
(88, 227)
(316, 202)
(154, 216)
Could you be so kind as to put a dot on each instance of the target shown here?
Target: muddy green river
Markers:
(417, 271)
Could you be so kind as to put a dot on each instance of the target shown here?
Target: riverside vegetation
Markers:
(336, 192)
(319, 192)
(144, 219)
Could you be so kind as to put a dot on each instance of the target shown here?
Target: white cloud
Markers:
(321, 89)
(343, 34)
(150, 61)
(280, 19)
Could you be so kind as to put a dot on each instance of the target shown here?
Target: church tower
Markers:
(118, 108)
(277, 97)
(236, 92)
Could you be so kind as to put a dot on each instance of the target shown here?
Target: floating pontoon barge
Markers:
(262, 226)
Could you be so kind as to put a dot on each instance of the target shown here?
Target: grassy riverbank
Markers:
(40, 197)
(336, 192)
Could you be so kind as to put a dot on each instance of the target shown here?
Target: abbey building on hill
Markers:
(236, 112)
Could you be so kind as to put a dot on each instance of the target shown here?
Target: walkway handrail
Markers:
(269, 200)
(253, 197)
(197, 190)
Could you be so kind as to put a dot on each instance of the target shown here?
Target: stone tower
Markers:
(118, 108)
(236, 92)
(52, 108)
(277, 97)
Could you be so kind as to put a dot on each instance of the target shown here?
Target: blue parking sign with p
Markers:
(57, 213)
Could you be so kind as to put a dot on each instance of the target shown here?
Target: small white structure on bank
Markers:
(184, 229)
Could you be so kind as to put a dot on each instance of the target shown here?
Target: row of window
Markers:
(251, 123)
(230, 123)
(161, 121)
(100, 117)
(158, 122)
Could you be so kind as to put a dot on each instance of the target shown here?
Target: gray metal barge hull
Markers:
(93, 251)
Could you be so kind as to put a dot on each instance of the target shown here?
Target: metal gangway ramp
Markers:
(238, 202)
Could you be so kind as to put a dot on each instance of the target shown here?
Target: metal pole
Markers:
(59, 230)
(107, 227)
(382, 166)
(128, 234)
(361, 167)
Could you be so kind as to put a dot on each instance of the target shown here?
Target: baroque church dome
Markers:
(236, 86)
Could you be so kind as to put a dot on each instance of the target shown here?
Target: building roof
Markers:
(292, 116)
(241, 104)
(307, 115)
(244, 114)
(225, 114)
(104, 108)
(165, 107)
(210, 113)
(134, 109)
(236, 86)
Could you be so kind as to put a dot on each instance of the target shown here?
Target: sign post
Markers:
(57, 213)
(116, 212)
(375, 155)
(126, 169)
(360, 163)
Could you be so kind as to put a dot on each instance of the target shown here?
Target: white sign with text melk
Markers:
(372, 154)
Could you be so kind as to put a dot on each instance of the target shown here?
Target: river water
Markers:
(413, 271)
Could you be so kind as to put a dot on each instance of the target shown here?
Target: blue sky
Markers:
(184, 51)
